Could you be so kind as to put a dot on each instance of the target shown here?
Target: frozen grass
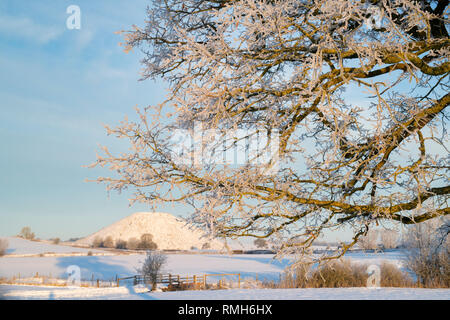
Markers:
(341, 274)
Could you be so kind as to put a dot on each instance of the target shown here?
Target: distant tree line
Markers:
(144, 243)
(379, 239)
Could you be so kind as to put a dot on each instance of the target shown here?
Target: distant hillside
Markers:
(19, 246)
(168, 231)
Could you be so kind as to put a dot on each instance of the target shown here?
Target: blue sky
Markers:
(58, 87)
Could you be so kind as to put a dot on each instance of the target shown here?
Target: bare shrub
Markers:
(392, 276)
(147, 242)
(132, 244)
(108, 242)
(206, 246)
(260, 243)
(428, 254)
(26, 233)
(97, 243)
(56, 240)
(121, 244)
(3, 246)
(389, 239)
(339, 274)
(196, 286)
(297, 278)
(152, 266)
(369, 241)
(334, 274)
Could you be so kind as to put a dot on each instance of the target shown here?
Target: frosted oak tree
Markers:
(292, 66)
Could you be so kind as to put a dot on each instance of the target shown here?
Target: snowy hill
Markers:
(168, 231)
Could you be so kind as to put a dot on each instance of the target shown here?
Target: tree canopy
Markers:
(356, 92)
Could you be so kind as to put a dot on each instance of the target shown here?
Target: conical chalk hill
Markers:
(169, 232)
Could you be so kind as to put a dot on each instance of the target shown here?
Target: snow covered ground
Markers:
(107, 267)
(23, 259)
(133, 293)
(110, 267)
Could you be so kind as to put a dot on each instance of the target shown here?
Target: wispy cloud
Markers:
(85, 36)
(27, 29)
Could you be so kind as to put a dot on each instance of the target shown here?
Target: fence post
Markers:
(239, 280)
(204, 281)
(98, 283)
(195, 280)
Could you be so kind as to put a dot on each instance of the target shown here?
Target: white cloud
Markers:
(23, 27)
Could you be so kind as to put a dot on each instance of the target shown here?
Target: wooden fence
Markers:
(204, 281)
(178, 281)
(49, 280)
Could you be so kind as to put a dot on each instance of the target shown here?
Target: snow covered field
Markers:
(110, 266)
(131, 293)
(107, 267)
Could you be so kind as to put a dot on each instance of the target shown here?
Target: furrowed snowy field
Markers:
(23, 258)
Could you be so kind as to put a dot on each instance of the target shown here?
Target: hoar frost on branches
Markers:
(290, 66)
